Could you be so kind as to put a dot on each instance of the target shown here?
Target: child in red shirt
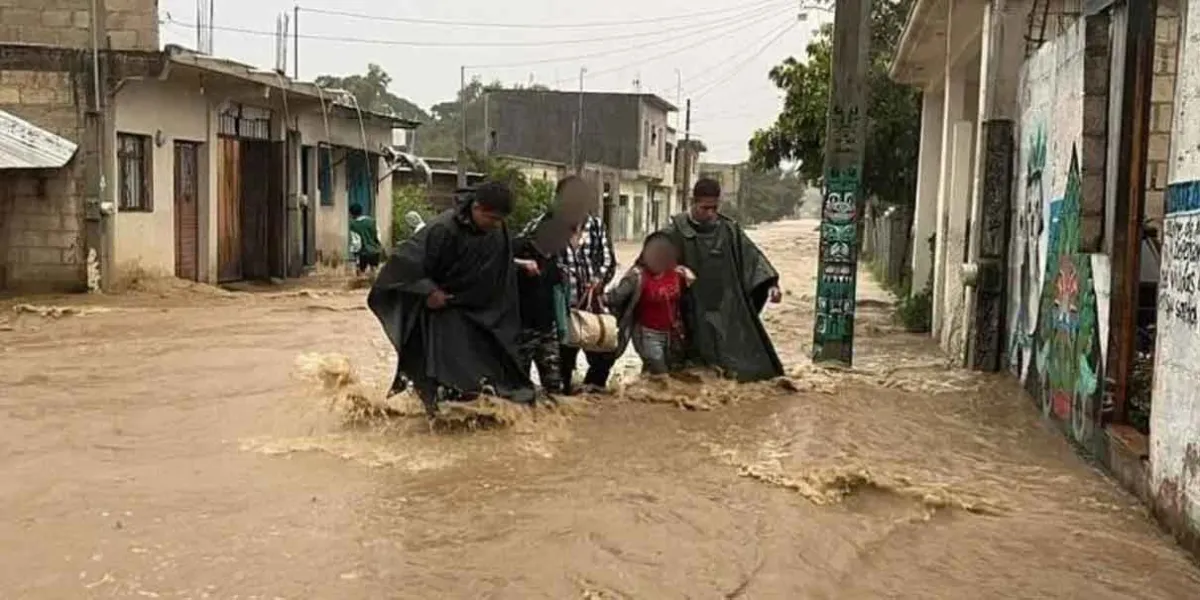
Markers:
(647, 300)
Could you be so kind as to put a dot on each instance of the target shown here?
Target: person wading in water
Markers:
(589, 266)
(447, 300)
(734, 281)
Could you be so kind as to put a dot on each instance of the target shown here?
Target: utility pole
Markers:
(687, 156)
(678, 93)
(579, 126)
(296, 43)
(487, 130)
(833, 331)
(462, 142)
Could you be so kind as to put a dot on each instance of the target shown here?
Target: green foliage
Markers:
(915, 312)
(894, 117)
(441, 126)
(406, 199)
(371, 91)
(769, 195)
(533, 197)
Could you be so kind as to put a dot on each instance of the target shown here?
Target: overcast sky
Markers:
(721, 49)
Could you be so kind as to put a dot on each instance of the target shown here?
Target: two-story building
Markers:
(619, 142)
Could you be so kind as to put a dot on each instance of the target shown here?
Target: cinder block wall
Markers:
(41, 212)
(1162, 112)
(129, 24)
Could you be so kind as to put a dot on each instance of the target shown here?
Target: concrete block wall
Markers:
(129, 24)
(41, 212)
(1162, 107)
(1174, 426)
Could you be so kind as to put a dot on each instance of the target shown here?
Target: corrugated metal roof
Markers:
(24, 145)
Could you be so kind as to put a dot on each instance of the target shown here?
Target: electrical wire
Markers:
(649, 20)
(737, 69)
(717, 68)
(699, 42)
(689, 29)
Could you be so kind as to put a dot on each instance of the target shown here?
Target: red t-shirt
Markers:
(658, 308)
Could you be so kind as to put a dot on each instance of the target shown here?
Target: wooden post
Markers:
(833, 331)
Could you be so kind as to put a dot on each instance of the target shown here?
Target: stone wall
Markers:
(41, 212)
(129, 24)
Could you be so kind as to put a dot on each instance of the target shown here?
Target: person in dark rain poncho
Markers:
(447, 300)
(734, 281)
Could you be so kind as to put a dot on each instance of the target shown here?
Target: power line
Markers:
(738, 67)
(717, 69)
(703, 40)
(354, 15)
(690, 29)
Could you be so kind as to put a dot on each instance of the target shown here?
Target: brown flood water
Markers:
(166, 449)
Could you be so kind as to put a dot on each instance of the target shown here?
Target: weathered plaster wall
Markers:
(1055, 337)
(1174, 426)
(147, 239)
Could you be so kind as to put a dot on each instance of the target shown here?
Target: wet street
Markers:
(165, 447)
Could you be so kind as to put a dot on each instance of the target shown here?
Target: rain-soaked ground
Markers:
(173, 453)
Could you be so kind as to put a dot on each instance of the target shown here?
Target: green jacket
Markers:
(368, 234)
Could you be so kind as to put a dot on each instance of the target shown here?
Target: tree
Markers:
(770, 195)
(894, 113)
(371, 92)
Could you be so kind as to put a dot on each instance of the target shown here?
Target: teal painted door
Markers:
(360, 187)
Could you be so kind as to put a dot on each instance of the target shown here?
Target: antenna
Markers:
(204, 26)
(281, 42)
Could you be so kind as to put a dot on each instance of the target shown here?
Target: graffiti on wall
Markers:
(1067, 344)
(1178, 295)
(1027, 246)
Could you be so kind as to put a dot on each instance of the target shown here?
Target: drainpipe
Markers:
(99, 223)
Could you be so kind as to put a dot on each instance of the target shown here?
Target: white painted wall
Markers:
(1175, 415)
(929, 164)
(147, 239)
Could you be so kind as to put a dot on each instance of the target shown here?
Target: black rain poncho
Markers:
(471, 342)
(721, 309)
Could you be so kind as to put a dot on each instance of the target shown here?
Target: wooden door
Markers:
(187, 212)
(229, 210)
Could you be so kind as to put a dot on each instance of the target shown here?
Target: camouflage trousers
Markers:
(540, 349)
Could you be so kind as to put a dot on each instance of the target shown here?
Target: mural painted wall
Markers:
(1175, 414)
(1055, 343)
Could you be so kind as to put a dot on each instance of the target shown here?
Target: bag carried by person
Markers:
(589, 331)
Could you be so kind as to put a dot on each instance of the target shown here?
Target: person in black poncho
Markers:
(447, 300)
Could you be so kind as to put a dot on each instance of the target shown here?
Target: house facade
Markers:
(1057, 183)
(624, 147)
(188, 165)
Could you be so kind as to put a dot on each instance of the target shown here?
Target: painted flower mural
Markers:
(1067, 343)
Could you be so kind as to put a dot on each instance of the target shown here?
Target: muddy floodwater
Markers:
(164, 446)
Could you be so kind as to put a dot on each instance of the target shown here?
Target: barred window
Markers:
(134, 172)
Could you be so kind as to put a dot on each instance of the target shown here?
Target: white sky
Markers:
(722, 49)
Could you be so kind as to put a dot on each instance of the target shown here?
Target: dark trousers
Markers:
(600, 366)
(540, 349)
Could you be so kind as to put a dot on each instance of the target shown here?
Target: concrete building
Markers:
(1050, 130)
(624, 147)
(729, 175)
(187, 165)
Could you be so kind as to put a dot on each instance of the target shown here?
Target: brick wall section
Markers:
(41, 242)
(129, 24)
(1162, 110)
